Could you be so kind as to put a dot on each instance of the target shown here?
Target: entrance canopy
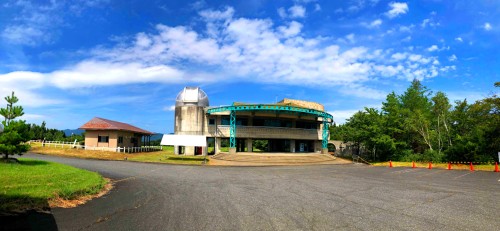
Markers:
(184, 140)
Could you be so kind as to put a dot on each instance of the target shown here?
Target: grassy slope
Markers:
(32, 183)
(483, 167)
(165, 156)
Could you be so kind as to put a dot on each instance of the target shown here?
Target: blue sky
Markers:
(69, 61)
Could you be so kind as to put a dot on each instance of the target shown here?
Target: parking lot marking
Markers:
(403, 171)
(434, 172)
(463, 175)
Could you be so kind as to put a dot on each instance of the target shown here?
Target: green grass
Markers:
(482, 167)
(166, 156)
(31, 184)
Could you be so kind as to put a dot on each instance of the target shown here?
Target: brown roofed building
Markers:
(111, 134)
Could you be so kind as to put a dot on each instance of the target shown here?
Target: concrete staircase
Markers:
(278, 158)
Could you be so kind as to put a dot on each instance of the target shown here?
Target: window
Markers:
(306, 125)
(120, 139)
(224, 120)
(271, 122)
(211, 121)
(103, 139)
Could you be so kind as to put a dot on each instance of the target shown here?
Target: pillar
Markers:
(217, 145)
(249, 145)
(292, 145)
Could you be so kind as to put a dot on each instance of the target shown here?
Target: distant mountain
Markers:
(68, 132)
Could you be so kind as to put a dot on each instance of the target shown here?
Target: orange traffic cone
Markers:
(390, 164)
(449, 166)
(471, 167)
(413, 164)
(496, 167)
(430, 165)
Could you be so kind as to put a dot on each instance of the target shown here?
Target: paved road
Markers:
(329, 197)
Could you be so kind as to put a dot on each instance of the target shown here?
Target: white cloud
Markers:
(429, 22)
(487, 26)
(292, 30)
(37, 22)
(232, 48)
(459, 39)
(399, 56)
(169, 108)
(433, 48)
(341, 116)
(452, 58)
(32, 117)
(297, 11)
(374, 24)
(407, 39)
(317, 7)
(217, 15)
(91, 73)
(397, 8)
(282, 12)
(406, 28)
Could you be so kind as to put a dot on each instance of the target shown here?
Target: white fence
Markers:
(77, 145)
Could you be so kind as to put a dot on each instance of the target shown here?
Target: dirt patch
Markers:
(63, 203)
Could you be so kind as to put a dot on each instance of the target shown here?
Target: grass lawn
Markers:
(483, 167)
(165, 156)
(34, 184)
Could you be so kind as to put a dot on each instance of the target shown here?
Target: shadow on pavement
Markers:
(40, 219)
(30, 220)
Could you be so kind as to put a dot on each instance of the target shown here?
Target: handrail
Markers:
(264, 107)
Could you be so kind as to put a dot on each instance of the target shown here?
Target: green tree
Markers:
(16, 132)
(416, 107)
(11, 112)
(440, 111)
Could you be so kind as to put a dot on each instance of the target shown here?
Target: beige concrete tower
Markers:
(190, 117)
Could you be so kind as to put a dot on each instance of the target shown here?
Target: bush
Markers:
(431, 155)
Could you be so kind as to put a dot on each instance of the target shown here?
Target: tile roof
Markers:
(104, 124)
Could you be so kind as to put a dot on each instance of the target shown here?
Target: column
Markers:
(217, 145)
(324, 143)
(292, 145)
(249, 145)
(232, 132)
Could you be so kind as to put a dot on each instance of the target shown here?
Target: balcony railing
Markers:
(267, 132)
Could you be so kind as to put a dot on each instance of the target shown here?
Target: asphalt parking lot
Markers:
(319, 197)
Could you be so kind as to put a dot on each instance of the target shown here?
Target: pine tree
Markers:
(15, 132)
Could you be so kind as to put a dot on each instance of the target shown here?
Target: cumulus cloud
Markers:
(169, 108)
(433, 48)
(397, 8)
(234, 48)
(317, 7)
(487, 26)
(297, 11)
(374, 24)
(282, 12)
(459, 39)
(293, 29)
(452, 58)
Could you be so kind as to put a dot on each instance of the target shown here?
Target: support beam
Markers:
(325, 137)
(232, 132)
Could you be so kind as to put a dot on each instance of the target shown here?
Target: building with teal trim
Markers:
(292, 126)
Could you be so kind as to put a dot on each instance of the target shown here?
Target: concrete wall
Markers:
(91, 138)
(189, 120)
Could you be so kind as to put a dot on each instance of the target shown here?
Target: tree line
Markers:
(41, 132)
(420, 125)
